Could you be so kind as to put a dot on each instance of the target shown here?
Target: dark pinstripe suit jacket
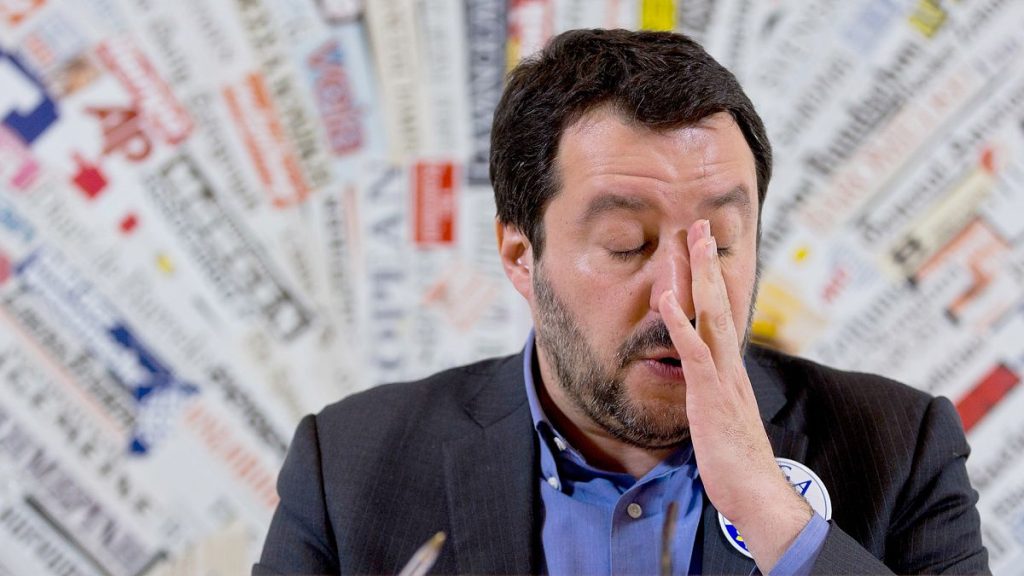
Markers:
(371, 478)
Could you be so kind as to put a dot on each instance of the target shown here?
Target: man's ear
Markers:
(516, 258)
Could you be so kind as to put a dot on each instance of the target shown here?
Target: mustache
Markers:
(653, 336)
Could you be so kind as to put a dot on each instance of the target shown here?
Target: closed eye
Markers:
(628, 254)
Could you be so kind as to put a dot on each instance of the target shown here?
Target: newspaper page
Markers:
(219, 216)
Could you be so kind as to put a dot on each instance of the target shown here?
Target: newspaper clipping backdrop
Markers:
(218, 216)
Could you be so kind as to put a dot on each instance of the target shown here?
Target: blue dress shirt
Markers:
(599, 522)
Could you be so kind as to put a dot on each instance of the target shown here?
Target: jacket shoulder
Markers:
(434, 406)
(892, 456)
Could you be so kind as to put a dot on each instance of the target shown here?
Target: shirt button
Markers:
(553, 482)
(560, 444)
(634, 510)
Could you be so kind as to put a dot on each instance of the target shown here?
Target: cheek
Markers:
(606, 303)
(597, 267)
(582, 286)
(602, 279)
(739, 284)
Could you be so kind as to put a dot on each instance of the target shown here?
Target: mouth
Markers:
(664, 368)
(666, 356)
(664, 364)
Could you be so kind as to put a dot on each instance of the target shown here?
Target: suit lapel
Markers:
(719, 556)
(769, 389)
(491, 481)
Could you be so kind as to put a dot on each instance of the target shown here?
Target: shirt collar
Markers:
(531, 391)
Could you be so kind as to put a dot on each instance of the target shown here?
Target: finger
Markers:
(710, 297)
(694, 354)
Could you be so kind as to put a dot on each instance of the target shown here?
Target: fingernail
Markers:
(711, 248)
(706, 227)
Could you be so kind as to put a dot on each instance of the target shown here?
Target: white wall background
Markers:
(217, 216)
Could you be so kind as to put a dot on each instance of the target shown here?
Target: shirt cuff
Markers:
(801, 554)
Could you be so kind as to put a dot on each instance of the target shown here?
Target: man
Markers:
(629, 170)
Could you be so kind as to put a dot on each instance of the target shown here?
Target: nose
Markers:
(671, 271)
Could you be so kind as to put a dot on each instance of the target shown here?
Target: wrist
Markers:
(770, 529)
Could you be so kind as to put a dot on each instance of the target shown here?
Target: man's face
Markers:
(615, 240)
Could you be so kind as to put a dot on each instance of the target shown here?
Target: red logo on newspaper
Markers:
(122, 132)
(150, 93)
(89, 178)
(985, 395)
(434, 197)
(335, 100)
(530, 24)
(129, 222)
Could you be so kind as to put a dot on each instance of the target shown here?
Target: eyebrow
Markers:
(738, 197)
(611, 202)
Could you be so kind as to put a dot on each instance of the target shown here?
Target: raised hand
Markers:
(733, 454)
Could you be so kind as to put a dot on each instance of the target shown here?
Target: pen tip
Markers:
(438, 540)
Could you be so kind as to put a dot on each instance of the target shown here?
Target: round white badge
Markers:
(805, 482)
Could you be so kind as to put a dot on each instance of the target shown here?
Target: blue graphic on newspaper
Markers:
(134, 372)
(32, 111)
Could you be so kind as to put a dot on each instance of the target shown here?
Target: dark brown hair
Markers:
(660, 80)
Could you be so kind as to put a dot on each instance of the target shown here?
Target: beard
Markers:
(599, 390)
